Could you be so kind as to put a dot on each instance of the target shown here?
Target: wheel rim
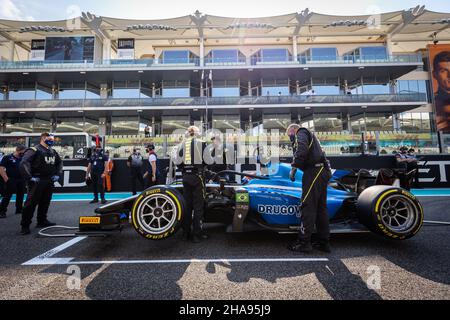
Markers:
(399, 213)
(156, 214)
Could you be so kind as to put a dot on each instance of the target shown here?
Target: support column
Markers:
(389, 45)
(153, 92)
(294, 49)
(12, 47)
(396, 122)
(202, 93)
(153, 126)
(55, 92)
(104, 91)
(202, 52)
(249, 84)
(297, 87)
(106, 49)
(102, 127)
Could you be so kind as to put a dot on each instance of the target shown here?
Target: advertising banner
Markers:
(439, 57)
(69, 49)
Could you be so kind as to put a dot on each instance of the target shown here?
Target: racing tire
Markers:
(157, 213)
(390, 211)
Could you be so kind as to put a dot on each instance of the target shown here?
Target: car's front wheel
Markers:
(157, 213)
(392, 212)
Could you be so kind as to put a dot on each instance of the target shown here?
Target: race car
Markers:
(355, 202)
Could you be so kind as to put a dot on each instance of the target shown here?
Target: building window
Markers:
(327, 122)
(178, 56)
(226, 122)
(22, 91)
(19, 125)
(171, 124)
(271, 55)
(126, 89)
(325, 86)
(225, 56)
(318, 54)
(276, 122)
(72, 90)
(70, 125)
(44, 92)
(176, 89)
(124, 125)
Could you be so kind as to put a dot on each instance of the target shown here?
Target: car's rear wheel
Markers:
(157, 213)
(392, 212)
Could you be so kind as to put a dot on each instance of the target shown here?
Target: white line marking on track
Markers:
(48, 259)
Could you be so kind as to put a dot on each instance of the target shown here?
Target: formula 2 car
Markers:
(272, 202)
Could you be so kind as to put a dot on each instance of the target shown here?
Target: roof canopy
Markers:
(415, 24)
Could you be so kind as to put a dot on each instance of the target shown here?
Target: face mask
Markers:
(49, 142)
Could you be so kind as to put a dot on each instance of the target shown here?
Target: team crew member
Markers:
(406, 163)
(135, 162)
(96, 171)
(41, 167)
(109, 168)
(14, 183)
(152, 175)
(193, 167)
(309, 157)
(221, 157)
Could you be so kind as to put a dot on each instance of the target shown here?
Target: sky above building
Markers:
(41, 10)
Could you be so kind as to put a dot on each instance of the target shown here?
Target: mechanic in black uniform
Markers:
(41, 167)
(193, 167)
(96, 171)
(310, 158)
(14, 183)
(221, 158)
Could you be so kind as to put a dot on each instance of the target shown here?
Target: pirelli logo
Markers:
(89, 220)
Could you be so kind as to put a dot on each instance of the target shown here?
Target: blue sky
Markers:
(147, 9)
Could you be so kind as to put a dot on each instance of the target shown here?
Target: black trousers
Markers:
(13, 186)
(97, 184)
(136, 176)
(149, 183)
(314, 204)
(194, 195)
(39, 195)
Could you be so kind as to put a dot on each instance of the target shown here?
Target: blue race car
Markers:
(272, 202)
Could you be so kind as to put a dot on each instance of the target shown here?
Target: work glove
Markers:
(35, 179)
(55, 178)
(292, 174)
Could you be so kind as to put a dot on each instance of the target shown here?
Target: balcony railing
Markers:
(216, 101)
(194, 62)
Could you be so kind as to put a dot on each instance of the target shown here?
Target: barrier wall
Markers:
(434, 171)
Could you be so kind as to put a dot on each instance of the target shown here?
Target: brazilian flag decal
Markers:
(242, 197)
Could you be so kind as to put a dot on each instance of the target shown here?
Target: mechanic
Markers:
(135, 162)
(41, 167)
(193, 167)
(220, 155)
(310, 158)
(96, 172)
(14, 183)
(152, 175)
(406, 163)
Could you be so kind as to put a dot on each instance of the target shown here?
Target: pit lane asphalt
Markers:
(414, 269)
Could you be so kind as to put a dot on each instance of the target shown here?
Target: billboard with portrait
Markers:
(439, 57)
(69, 48)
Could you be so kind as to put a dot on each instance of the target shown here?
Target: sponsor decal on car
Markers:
(279, 210)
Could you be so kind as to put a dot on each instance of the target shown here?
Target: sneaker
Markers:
(322, 246)
(104, 201)
(300, 246)
(45, 224)
(2, 215)
(94, 201)
(25, 231)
